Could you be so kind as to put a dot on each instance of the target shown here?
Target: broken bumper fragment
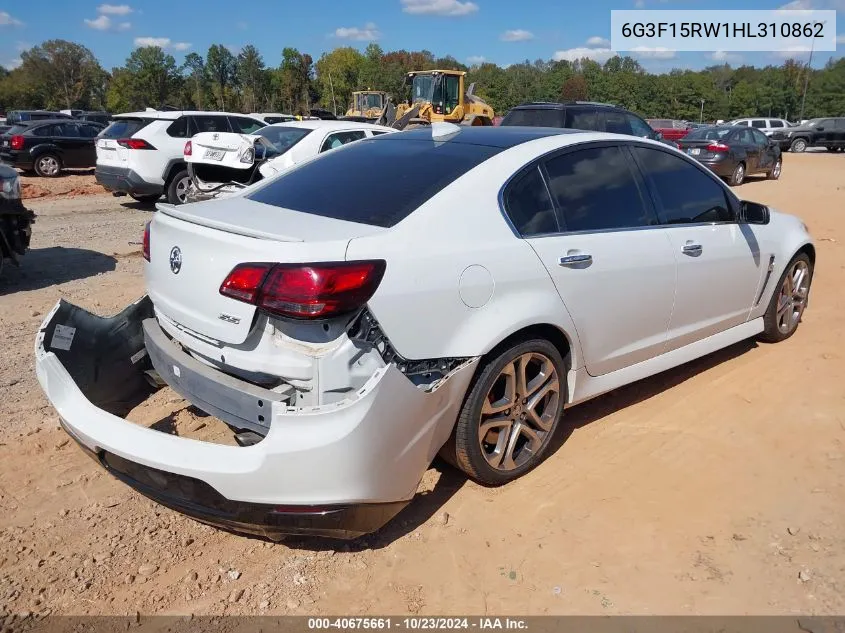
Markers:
(339, 470)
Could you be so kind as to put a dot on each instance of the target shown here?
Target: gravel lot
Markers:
(716, 488)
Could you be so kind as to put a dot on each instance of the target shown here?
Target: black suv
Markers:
(49, 146)
(581, 115)
(824, 132)
(23, 116)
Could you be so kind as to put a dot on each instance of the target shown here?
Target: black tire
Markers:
(145, 199)
(772, 331)
(774, 172)
(798, 145)
(48, 165)
(738, 175)
(467, 451)
(175, 193)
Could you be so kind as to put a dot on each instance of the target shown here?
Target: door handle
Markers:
(691, 248)
(574, 260)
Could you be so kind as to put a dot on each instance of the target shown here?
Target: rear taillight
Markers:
(717, 147)
(189, 148)
(134, 143)
(16, 142)
(305, 291)
(146, 247)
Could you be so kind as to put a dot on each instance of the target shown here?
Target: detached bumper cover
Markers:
(358, 461)
(124, 180)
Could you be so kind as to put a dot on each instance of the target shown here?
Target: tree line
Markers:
(59, 74)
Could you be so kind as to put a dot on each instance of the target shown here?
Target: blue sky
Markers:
(500, 31)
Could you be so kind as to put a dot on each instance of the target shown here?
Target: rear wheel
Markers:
(789, 300)
(774, 174)
(510, 413)
(177, 190)
(798, 145)
(48, 165)
(738, 175)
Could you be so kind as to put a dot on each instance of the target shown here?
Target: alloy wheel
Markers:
(519, 411)
(48, 165)
(776, 170)
(739, 174)
(182, 190)
(792, 298)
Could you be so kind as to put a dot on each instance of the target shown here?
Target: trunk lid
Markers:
(697, 148)
(194, 247)
(110, 153)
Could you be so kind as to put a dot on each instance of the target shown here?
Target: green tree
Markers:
(154, 78)
(197, 78)
(295, 77)
(222, 71)
(251, 78)
(64, 74)
(575, 89)
(338, 75)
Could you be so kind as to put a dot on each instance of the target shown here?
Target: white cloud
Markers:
(473, 60)
(368, 33)
(600, 42)
(516, 35)
(639, 4)
(11, 63)
(796, 52)
(8, 20)
(449, 8)
(656, 52)
(161, 42)
(114, 9)
(181, 46)
(725, 58)
(102, 23)
(123, 26)
(840, 39)
(600, 55)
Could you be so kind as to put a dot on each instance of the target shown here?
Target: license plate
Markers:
(214, 154)
(694, 151)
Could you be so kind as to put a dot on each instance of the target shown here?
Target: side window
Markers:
(760, 138)
(582, 119)
(685, 193)
(244, 125)
(451, 96)
(529, 206)
(67, 130)
(338, 139)
(47, 130)
(639, 127)
(758, 123)
(839, 124)
(616, 122)
(179, 128)
(746, 137)
(595, 189)
(377, 132)
(775, 123)
(210, 123)
(88, 131)
(825, 123)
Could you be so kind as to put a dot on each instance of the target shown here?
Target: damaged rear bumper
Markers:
(337, 470)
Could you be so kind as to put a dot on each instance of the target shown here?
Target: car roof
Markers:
(39, 122)
(322, 124)
(501, 137)
(558, 105)
(172, 115)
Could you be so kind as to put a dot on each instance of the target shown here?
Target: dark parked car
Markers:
(826, 132)
(734, 152)
(24, 116)
(103, 118)
(50, 146)
(581, 115)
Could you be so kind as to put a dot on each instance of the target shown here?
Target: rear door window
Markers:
(776, 123)
(685, 194)
(379, 197)
(616, 122)
(582, 119)
(839, 124)
(529, 205)
(758, 123)
(47, 130)
(539, 117)
(596, 190)
(209, 123)
(179, 128)
(124, 127)
(88, 131)
(339, 139)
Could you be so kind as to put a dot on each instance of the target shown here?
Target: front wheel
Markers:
(510, 413)
(798, 145)
(775, 173)
(788, 301)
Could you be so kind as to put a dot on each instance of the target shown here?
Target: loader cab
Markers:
(367, 100)
(443, 89)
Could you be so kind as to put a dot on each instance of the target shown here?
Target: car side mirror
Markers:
(819, 128)
(754, 213)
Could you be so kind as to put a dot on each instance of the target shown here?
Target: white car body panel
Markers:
(458, 282)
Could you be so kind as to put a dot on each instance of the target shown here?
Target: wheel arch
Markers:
(174, 166)
(810, 250)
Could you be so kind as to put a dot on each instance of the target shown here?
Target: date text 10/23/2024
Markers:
(417, 623)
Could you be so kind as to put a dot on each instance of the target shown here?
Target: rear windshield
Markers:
(17, 129)
(282, 138)
(540, 117)
(124, 128)
(374, 181)
(708, 133)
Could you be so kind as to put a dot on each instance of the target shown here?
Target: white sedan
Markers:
(222, 163)
(439, 290)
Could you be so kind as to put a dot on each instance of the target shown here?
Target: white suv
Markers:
(766, 125)
(141, 153)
